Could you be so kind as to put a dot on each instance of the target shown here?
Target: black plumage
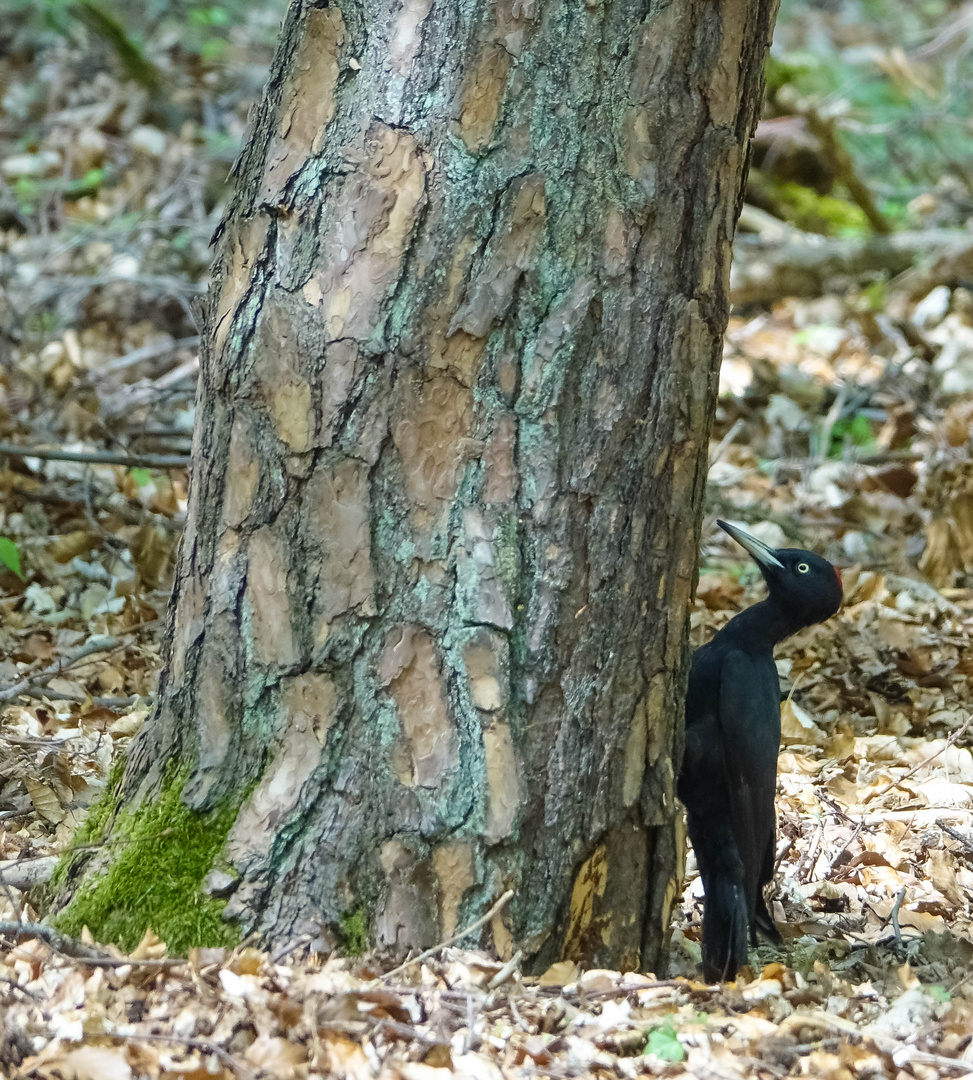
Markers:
(729, 771)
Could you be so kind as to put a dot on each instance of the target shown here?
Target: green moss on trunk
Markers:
(162, 853)
(354, 932)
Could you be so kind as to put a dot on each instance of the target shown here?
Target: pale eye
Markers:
(803, 568)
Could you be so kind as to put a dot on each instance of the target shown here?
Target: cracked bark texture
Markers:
(432, 603)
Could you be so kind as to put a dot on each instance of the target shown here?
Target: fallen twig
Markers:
(146, 352)
(824, 130)
(896, 929)
(735, 428)
(844, 847)
(140, 393)
(67, 946)
(482, 921)
(99, 702)
(407, 1032)
(506, 971)
(805, 264)
(97, 457)
(207, 1046)
(925, 761)
(809, 856)
(24, 874)
(97, 644)
(956, 835)
(74, 949)
(902, 1053)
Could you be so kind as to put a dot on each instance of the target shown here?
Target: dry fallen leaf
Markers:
(95, 1063)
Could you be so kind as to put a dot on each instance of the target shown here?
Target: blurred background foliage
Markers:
(120, 123)
(192, 70)
(867, 123)
(844, 420)
(893, 84)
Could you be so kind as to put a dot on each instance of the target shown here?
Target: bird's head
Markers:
(805, 585)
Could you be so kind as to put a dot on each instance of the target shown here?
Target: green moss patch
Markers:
(160, 853)
(354, 932)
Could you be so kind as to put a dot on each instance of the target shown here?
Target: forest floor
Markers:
(845, 424)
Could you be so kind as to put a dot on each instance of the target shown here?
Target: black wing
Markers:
(749, 720)
(703, 789)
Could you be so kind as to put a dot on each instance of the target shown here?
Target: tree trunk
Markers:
(428, 636)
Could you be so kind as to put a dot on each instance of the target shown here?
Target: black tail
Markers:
(726, 916)
(725, 927)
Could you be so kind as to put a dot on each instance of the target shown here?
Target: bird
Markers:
(728, 776)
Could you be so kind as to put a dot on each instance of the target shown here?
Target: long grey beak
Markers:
(764, 554)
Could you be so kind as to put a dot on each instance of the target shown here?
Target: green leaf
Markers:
(10, 556)
(875, 294)
(87, 184)
(939, 994)
(664, 1043)
(141, 477)
(856, 430)
(212, 50)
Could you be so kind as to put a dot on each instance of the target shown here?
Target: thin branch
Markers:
(89, 509)
(78, 950)
(24, 874)
(904, 1053)
(844, 847)
(284, 951)
(482, 921)
(73, 949)
(14, 987)
(823, 129)
(804, 265)
(407, 1032)
(956, 835)
(193, 1042)
(946, 35)
(96, 644)
(506, 971)
(832, 417)
(131, 514)
(140, 393)
(100, 702)
(97, 457)
(146, 352)
(735, 428)
(897, 929)
(925, 761)
(809, 856)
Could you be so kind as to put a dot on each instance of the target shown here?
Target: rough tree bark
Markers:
(428, 633)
